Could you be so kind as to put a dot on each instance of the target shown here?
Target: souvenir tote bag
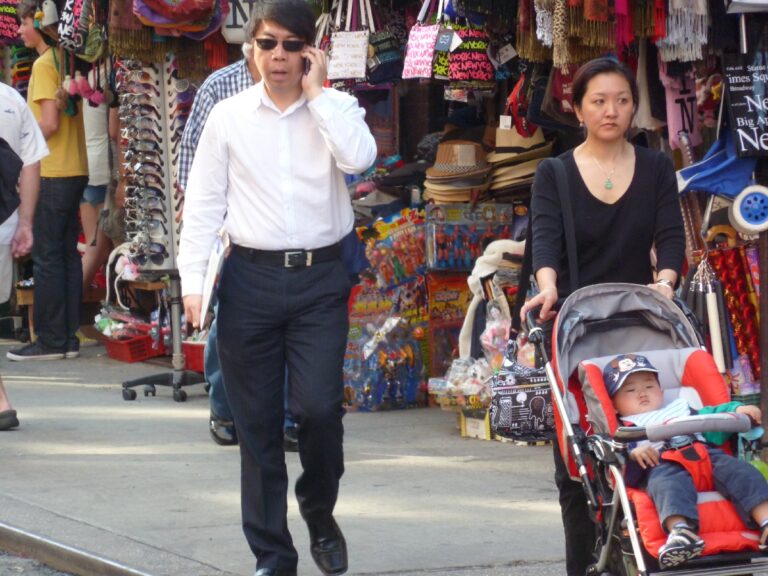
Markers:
(70, 37)
(470, 62)
(385, 60)
(420, 49)
(8, 23)
(349, 47)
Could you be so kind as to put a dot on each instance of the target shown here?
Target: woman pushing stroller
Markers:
(622, 201)
(668, 470)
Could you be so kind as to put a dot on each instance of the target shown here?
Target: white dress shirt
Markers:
(274, 180)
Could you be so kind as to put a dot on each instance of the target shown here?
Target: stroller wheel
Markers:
(749, 211)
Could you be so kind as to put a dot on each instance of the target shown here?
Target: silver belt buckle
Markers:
(293, 258)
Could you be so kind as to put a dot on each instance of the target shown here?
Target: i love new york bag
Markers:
(420, 49)
(349, 47)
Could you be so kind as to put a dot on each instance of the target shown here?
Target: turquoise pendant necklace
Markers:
(608, 184)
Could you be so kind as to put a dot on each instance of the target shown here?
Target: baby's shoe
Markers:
(764, 538)
(682, 544)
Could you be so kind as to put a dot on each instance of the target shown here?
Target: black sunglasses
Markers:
(288, 45)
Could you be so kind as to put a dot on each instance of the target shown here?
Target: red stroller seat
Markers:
(688, 373)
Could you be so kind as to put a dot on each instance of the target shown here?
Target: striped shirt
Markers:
(219, 86)
(674, 409)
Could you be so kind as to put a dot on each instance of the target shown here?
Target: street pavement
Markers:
(140, 487)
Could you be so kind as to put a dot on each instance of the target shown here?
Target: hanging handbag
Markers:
(349, 47)
(385, 59)
(420, 49)
(470, 62)
(70, 37)
(9, 25)
(95, 43)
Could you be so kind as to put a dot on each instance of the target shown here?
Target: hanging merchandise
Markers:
(682, 113)
(70, 38)
(420, 50)
(469, 62)
(349, 47)
(687, 26)
(385, 59)
(129, 38)
(143, 145)
(94, 46)
(702, 299)
(741, 301)
(9, 25)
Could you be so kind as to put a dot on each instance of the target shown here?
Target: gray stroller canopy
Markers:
(610, 319)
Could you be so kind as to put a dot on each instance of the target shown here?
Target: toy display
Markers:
(458, 234)
(385, 359)
(395, 249)
(449, 298)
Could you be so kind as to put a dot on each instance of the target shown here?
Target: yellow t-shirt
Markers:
(68, 155)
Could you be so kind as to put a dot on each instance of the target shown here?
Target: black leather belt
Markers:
(289, 258)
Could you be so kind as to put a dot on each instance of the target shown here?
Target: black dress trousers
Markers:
(269, 317)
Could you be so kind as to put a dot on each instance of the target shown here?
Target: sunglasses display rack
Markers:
(154, 105)
(145, 166)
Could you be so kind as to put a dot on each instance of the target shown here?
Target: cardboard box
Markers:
(475, 424)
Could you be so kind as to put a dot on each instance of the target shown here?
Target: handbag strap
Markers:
(563, 192)
(337, 19)
(366, 16)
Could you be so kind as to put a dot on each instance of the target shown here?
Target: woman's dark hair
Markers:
(602, 66)
(26, 9)
(296, 16)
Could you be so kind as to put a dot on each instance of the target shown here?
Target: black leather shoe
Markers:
(222, 431)
(328, 547)
(274, 572)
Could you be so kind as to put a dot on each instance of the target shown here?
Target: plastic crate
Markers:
(133, 349)
(194, 355)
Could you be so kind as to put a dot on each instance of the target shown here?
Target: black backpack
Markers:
(10, 169)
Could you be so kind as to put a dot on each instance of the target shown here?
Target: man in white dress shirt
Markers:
(270, 169)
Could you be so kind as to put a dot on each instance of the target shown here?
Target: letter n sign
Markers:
(234, 26)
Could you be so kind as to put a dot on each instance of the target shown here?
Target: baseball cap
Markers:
(617, 370)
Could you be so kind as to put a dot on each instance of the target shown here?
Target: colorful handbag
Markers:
(420, 49)
(470, 62)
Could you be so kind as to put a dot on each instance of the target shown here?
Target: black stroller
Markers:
(594, 325)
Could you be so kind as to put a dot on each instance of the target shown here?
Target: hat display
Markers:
(617, 370)
(511, 146)
(458, 159)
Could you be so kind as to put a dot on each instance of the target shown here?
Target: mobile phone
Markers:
(307, 65)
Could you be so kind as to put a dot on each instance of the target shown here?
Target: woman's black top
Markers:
(613, 241)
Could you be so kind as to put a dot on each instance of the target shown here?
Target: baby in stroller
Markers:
(668, 470)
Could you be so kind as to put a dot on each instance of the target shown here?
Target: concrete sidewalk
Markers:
(142, 485)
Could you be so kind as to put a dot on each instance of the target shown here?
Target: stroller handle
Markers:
(685, 425)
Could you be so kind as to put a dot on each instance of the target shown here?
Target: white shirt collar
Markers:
(263, 99)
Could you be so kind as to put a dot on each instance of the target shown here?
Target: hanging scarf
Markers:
(527, 45)
(686, 31)
(128, 38)
(624, 36)
(561, 55)
(544, 11)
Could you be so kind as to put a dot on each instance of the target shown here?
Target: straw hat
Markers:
(511, 146)
(517, 170)
(458, 159)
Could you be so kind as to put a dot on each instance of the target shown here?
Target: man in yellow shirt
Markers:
(63, 176)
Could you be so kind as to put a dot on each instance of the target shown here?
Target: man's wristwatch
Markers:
(667, 283)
